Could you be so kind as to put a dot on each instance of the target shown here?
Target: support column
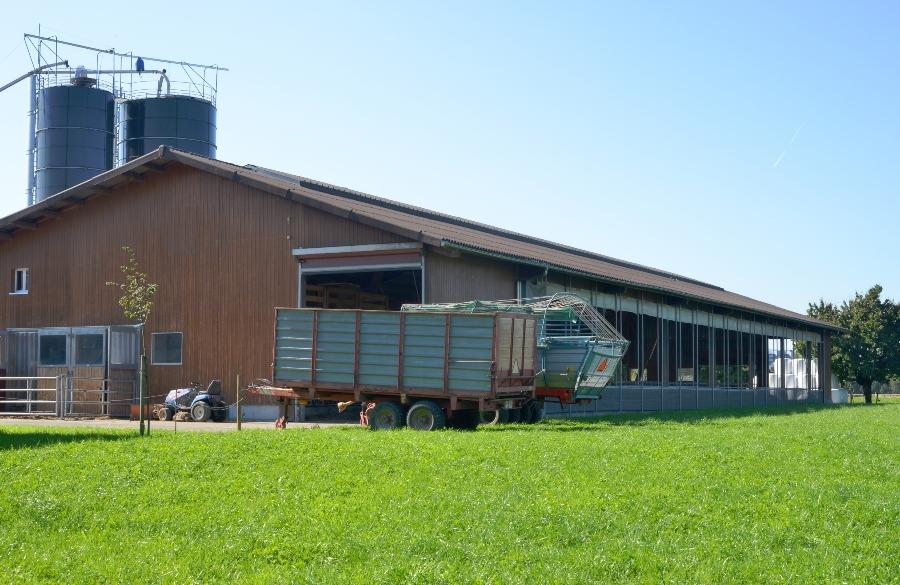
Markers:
(825, 369)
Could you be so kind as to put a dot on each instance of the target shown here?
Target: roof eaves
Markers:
(537, 262)
(99, 184)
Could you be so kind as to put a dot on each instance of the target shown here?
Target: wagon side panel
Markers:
(471, 353)
(335, 347)
(379, 348)
(424, 345)
(293, 345)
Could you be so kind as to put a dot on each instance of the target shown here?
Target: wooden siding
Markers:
(220, 251)
(468, 277)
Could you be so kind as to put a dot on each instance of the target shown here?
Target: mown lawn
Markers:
(809, 496)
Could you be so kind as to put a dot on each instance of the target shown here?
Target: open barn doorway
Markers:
(373, 276)
(380, 290)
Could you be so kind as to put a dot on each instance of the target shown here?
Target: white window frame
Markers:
(24, 289)
(153, 361)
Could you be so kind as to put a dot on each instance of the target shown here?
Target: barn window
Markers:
(53, 349)
(166, 350)
(89, 349)
(20, 281)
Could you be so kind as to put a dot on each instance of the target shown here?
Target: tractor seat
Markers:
(215, 387)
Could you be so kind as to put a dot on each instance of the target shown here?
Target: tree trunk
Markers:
(145, 388)
(867, 392)
(142, 389)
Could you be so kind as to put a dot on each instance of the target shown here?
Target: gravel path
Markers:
(116, 423)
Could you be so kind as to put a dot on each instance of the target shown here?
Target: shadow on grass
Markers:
(688, 417)
(34, 439)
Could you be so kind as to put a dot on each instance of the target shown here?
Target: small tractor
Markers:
(195, 402)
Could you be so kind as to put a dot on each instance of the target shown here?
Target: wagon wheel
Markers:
(493, 417)
(426, 415)
(386, 415)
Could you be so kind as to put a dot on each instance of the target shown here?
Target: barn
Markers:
(228, 243)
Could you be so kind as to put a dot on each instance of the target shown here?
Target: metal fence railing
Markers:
(32, 395)
(646, 398)
(86, 396)
(65, 395)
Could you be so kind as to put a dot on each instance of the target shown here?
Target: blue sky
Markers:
(752, 145)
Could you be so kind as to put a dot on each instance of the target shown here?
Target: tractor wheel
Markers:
(494, 417)
(463, 419)
(514, 414)
(386, 416)
(164, 413)
(425, 415)
(201, 411)
(219, 413)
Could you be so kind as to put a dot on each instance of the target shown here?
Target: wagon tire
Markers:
(386, 416)
(164, 414)
(493, 417)
(201, 411)
(426, 415)
(514, 415)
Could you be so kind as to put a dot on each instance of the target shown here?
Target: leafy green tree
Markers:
(870, 351)
(137, 303)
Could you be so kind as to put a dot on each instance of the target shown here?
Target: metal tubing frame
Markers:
(117, 54)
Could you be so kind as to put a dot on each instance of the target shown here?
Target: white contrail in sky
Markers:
(790, 142)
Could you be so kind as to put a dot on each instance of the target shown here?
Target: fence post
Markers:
(60, 397)
(141, 389)
(237, 404)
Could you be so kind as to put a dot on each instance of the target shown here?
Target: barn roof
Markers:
(416, 223)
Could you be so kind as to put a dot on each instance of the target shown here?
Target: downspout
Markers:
(423, 277)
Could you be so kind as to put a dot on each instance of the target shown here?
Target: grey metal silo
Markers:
(74, 135)
(182, 122)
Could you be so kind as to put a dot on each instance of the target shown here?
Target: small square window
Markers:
(89, 349)
(20, 282)
(166, 349)
(53, 350)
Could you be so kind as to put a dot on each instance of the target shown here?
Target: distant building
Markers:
(228, 243)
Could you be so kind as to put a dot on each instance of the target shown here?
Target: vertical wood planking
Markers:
(468, 277)
(219, 250)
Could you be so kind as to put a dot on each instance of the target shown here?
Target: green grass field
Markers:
(803, 496)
